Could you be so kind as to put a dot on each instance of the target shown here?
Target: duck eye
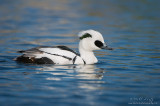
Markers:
(98, 43)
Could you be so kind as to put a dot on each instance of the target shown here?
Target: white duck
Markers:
(89, 40)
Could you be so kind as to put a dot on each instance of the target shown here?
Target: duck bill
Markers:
(106, 48)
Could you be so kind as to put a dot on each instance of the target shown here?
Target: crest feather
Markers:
(85, 34)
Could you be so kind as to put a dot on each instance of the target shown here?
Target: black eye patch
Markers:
(85, 36)
(98, 43)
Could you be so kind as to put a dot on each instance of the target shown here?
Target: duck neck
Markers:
(87, 56)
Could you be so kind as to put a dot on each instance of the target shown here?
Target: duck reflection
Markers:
(76, 71)
(89, 72)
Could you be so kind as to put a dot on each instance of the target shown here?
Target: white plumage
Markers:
(89, 40)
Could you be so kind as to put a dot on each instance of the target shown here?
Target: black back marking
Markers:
(24, 59)
(43, 60)
(74, 59)
(59, 55)
(84, 61)
(66, 48)
(86, 35)
(98, 43)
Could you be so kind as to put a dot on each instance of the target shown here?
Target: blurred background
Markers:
(129, 74)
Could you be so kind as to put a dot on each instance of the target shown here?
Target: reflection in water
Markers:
(89, 72)
(81, 71)
(89, 75)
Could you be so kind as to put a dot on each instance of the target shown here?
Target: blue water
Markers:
(130, 74)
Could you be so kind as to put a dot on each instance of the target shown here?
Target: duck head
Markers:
(92, 40)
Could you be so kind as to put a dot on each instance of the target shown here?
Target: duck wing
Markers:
(47, 54)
